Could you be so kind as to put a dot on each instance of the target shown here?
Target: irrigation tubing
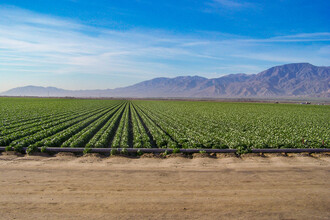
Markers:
(170, 150)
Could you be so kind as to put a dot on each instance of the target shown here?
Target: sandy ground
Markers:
(90, 187)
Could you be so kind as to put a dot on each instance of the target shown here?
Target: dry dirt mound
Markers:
(65, 154)
(12, 153)
(203, 155)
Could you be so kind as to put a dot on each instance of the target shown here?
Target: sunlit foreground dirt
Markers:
(91, 187)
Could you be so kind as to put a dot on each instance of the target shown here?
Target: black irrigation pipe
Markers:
(170, 150)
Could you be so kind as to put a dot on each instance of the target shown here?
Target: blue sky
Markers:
(80, 44)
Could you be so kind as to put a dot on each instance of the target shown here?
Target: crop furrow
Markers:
(105, 134)
(169, 135)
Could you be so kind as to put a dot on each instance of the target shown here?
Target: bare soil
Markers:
(65, 186)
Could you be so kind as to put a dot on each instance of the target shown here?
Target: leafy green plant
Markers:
(43, 149)
(18, 148)
(124, 151)
(31, 149)
(87, 150)
(8, 148)
(243, 149)
(113, 152)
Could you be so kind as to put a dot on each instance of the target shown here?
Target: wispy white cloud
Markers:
(305, 37)
(324, 50)
(13, 16)
(58, 47)
(215, 5)
(231, 3)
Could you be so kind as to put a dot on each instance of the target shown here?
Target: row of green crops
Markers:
(231, 125)
(37, 122)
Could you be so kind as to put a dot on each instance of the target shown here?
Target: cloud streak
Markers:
(230, 4)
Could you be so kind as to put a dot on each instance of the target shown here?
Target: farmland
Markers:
(82, 123)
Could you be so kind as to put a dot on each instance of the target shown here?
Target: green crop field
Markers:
(37, 122)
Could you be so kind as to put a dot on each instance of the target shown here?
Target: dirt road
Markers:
(68, 187)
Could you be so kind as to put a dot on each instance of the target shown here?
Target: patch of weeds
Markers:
(176, 150)
(139, 152)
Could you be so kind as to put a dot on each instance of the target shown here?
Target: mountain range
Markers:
(290, 80)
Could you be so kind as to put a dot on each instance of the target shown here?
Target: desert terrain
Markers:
(65, 186)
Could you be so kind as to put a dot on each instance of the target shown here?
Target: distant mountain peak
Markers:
(297, 64)
(289, 80)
